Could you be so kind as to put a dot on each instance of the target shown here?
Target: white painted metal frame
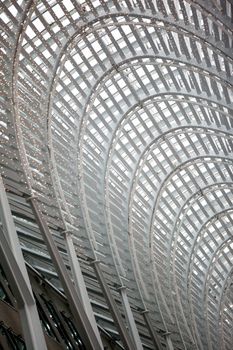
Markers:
(121, 116)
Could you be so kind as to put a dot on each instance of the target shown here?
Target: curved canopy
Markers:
(118, 115)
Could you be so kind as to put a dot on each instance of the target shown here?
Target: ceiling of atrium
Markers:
(118, 116)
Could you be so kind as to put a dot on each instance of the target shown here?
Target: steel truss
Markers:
(117, 123)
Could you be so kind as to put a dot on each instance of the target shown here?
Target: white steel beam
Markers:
(76, 307)
(80, 283)
(130, 319)
(18, 277)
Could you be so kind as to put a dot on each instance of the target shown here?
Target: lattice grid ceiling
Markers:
(118, 115)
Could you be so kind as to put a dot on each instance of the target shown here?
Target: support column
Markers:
(169, 341)
(76, 307)
(152, 332)
(80, 283)
(13, 261)
(125, 337)
(130, 319)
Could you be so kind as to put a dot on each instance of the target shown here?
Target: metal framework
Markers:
(117, 123)
(13, 263)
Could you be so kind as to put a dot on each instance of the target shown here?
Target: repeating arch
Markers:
(120, 116)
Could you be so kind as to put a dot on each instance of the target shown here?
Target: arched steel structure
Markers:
(117, 115)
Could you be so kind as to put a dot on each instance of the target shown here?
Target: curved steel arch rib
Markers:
(120, 116)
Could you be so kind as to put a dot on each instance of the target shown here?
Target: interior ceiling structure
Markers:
(118, 116)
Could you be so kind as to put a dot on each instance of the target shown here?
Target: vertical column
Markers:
(152, 332)
(76, 307)
(31, 326)
(169, 341)
(10, 231)
(125, 337)
(80, 283)
(130, 319)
